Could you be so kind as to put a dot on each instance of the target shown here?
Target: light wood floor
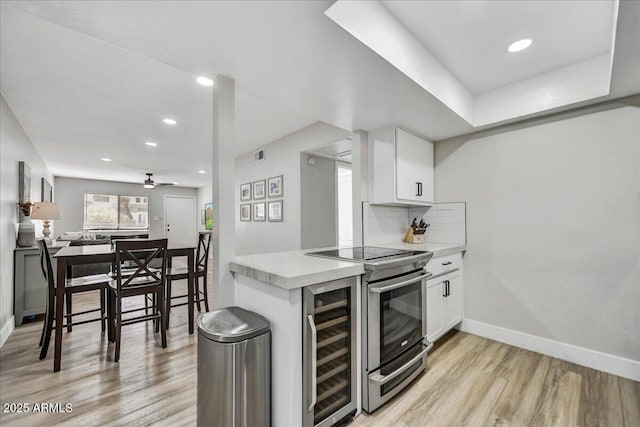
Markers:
(471, 381)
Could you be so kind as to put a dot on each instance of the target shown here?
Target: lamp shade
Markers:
(45, 210)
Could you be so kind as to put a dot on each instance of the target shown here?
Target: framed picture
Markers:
(208, 216)
(275, 186)
(203, 217)
(245, 192)
(259, 211)
(275, 211)
(46, 191)
(245, 212)
(259, 190)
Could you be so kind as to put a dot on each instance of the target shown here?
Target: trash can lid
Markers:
(232, 324)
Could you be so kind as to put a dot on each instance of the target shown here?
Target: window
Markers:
(112, 212)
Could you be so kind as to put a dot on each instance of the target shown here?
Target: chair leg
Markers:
(103, 302)
(163, 319)
(48, 326)
(156, 311)
(196, 293)
(69, 303)
(118, 328)
(168, 301)
(204, 289)
(110, 315)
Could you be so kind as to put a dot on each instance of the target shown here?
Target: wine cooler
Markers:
(329, 357)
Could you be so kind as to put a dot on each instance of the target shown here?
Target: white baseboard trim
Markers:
(579, 355)
(7, 329)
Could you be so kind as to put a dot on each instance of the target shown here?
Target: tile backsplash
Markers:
(386, 224)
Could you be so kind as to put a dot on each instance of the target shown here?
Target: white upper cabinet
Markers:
(400, 168)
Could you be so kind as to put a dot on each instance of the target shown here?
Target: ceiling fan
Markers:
(148, 183)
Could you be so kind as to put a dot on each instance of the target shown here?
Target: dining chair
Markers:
(181, 273)
(72, 286)
(141, 282)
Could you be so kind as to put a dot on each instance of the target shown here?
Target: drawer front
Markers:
(444, 264)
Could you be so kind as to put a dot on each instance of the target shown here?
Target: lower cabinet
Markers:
(444, 304)
(29, 284)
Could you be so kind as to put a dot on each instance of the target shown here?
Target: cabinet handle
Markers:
(447, 263)
(444, 288)
(417, 189)
(448, 287)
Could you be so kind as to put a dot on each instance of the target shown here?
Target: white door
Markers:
(434, 308)
(452, 311)
(406, 184)
(423, 168)
(180, 220)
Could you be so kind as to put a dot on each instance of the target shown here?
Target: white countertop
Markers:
(294, 269)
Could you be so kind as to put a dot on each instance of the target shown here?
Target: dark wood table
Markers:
(96, 254)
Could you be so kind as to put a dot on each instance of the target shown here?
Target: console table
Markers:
(29, 285)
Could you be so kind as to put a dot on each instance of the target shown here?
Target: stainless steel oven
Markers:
(394, 321)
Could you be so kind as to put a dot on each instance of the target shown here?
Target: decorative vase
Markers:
(26, 233)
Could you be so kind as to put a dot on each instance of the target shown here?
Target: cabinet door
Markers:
(423, 169)
(434, 308)
(406, 184)
(452, 312)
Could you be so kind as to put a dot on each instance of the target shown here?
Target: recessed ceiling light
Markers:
(100, 176)
(105, 159)
(151, 144)
(169, 121)
(519, 45)
(174, 183)
(201, 171)
(204, 81)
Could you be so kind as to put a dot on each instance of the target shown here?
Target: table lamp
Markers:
(46, 211)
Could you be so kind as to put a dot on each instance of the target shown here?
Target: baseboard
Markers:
(579, 355)
(7, 329)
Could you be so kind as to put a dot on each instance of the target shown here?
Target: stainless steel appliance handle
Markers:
(314, 362)
(382, 379)
(381, 289)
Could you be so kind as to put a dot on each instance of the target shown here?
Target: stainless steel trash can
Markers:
(234, 369)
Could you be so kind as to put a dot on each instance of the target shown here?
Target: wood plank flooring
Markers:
(472, 381)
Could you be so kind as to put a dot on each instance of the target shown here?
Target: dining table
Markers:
(96, 254)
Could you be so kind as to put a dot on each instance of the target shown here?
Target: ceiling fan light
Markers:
(150, 186)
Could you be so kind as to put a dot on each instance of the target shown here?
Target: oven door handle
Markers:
(381, 289)
(382, 379)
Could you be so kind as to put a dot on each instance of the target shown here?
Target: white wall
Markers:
(318, 209)
(15, 146)
(69, 193)
(553, 222)
(282, 157)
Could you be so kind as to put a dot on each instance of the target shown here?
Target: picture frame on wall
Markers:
(259, 189)
(275, 186)
(275, 211)
(208, 216)
(203, 217)
(259, 213)
(245, 192)
(245, 212)
(46, 191)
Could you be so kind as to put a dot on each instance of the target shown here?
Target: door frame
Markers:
(164, 209)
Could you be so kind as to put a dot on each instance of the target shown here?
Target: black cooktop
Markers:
(364, 253)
